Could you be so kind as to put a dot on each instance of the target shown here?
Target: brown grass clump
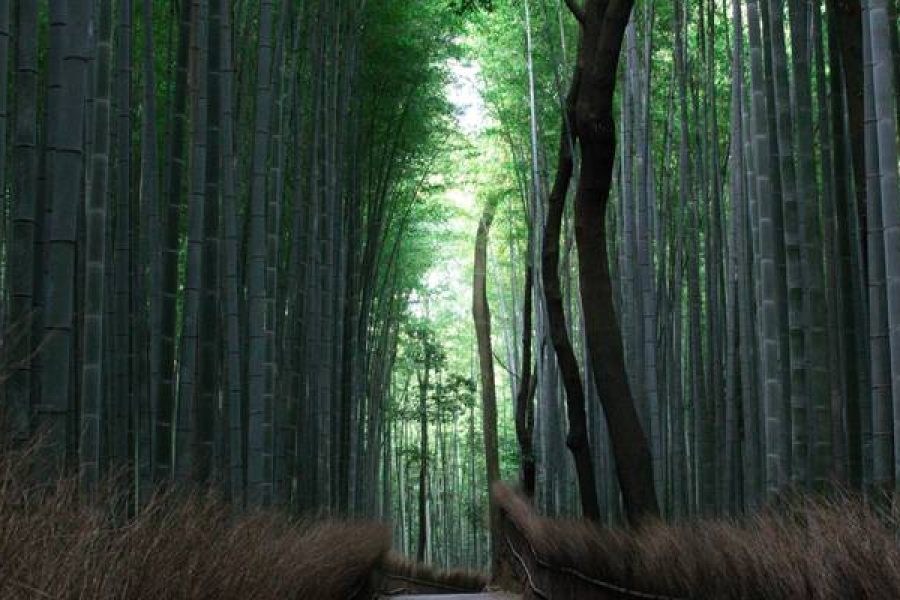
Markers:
(188, 547)
(400, 576)
(813, 549)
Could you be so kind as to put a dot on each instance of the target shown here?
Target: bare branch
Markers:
(576, 10)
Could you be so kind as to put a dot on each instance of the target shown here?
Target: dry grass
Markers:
(402, 576)
(177, 548)
(193, 547)
(818, 550)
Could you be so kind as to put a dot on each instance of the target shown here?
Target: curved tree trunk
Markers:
(598, 58)
(577, 440)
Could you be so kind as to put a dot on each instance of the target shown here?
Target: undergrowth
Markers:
(184, 546)
(816, 549)
(178, 547)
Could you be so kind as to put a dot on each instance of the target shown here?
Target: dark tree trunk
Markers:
(205, 468)
(603, 29)
(577, 440)
(25, 264)
(525, 396)
(424, 383)
(849, 286)
(165, 402)
(847, 18)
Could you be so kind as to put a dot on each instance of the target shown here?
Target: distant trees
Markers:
(433, 503)
(429, 360)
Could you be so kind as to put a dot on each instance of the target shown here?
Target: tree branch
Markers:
(576, 10)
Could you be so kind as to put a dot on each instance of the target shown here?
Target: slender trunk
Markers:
(165, 408)
(850, 294)
(647, 269)
(881, 140)
(6, 202)
(879, 319)
(768, 324)
(149, 287)
(525, 396)
(124, 325)
(482, 316)
(24, 266)
(208, 376)
(744, 251)
(188, 363)
(259, 433)
(424, 385)
(232, 364)
(846, 23)
(5, 62)
(92, 376)
(65, 174)
(796, 457)
(829, 170)
(818, 407)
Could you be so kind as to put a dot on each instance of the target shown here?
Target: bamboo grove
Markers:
(209, 220)
(754, 236)
(750, 239)
(251, 244)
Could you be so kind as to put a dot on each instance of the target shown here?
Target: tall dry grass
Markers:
(178, 547)
(836, 549)
(400, 576)
(193, 547)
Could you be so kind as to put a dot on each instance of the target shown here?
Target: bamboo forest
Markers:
(373, 298)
